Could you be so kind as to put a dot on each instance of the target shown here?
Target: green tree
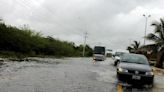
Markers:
(24, 41)
(89, 51)
(157, 37)
(133, 48)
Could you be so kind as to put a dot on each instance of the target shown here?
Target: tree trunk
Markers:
(160, 58)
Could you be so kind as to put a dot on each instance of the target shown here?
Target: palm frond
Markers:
(162, 29)
(129, 48)
(157, 26)
(152, 37)
(161, 34)
(158, 35)
(135, 45)
(162, 21)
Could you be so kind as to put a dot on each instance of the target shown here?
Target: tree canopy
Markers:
(23, 41)
(134, 47)
(158, 35)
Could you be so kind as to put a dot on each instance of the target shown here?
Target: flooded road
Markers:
(66, 75)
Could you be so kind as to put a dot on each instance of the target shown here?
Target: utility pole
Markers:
(146, 19)
(85, 38)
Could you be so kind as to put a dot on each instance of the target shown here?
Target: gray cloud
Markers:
(113, 23)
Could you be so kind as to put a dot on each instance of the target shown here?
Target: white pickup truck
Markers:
(117, 55)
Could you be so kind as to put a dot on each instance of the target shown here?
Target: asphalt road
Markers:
(66, 75)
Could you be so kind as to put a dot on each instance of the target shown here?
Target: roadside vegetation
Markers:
(152, 51)
(158, 38)
(133, 48)
(23, 42)
(158, 35)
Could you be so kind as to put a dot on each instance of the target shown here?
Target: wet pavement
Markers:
(66, 75)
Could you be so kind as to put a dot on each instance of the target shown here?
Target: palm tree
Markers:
(158, 38)
(158, 35)
(133, 48)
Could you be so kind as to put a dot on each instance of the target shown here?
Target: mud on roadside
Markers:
(158, 71)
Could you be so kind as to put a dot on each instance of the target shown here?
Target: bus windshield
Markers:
(99, 50)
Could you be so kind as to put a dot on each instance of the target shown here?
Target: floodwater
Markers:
(66, 75)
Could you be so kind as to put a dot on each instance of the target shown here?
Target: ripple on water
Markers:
(106, 76)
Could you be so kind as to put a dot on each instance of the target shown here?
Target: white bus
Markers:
(99, 53)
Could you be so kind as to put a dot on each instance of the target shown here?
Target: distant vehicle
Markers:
(99, 53)
(134, 68)
(117, 55)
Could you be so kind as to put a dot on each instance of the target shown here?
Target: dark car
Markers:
(134, 68)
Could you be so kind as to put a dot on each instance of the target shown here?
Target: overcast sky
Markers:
(112, 23)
